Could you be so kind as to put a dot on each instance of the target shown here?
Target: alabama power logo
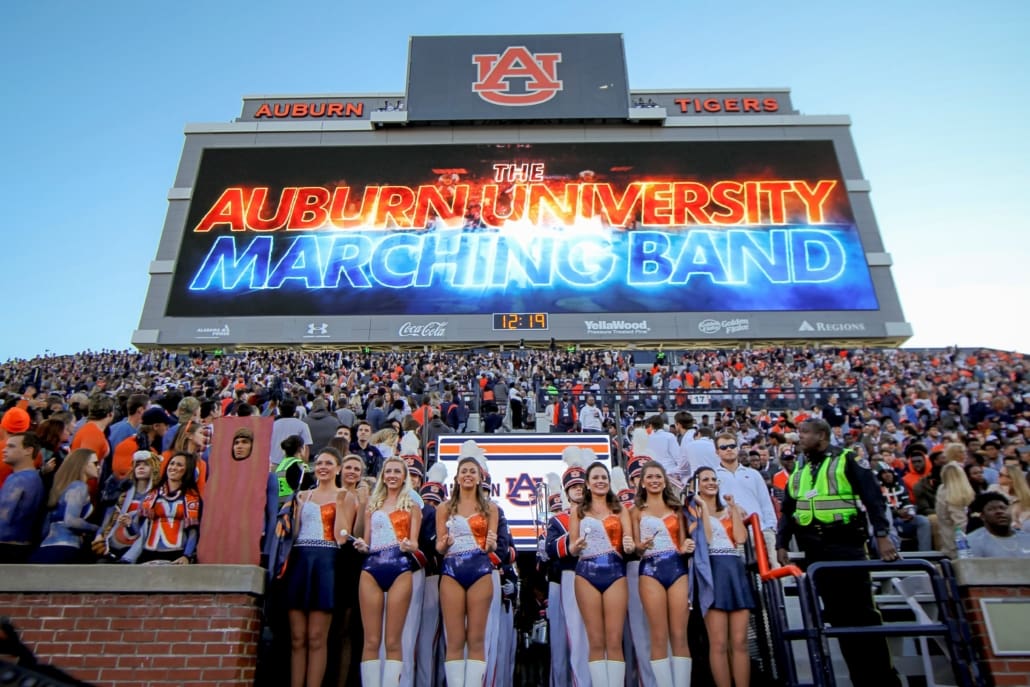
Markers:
(538, 72)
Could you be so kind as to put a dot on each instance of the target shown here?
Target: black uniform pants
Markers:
(848, 601)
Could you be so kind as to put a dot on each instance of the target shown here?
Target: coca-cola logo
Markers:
(424, 330)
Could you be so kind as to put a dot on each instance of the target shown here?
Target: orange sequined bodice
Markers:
(727, 524)
(328, 513)
(478, 525)
(672, 523)
(613, 528)
(401, 521)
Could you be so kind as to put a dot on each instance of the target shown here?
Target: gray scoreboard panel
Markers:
(862, 307)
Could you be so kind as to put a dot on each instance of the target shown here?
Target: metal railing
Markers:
(693, 400)
(963, 662)
(777, 654)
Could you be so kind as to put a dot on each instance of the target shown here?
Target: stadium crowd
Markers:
(106, 459)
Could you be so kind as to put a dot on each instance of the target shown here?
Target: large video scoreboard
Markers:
(672, 217)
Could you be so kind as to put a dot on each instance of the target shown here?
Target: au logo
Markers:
(496, 72)
(521, 490)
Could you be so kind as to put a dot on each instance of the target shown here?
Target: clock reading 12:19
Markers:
(520, 320)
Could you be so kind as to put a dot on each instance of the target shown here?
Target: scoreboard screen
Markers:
(520, 231)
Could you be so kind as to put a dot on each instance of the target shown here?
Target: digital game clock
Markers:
(520, 320)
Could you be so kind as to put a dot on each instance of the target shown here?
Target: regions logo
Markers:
(429, 329)
(710, 326)
(537, 71)
(835, 327)
(616, 327)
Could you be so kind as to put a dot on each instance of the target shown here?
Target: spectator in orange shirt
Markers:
(99, 415)
(422, 414)
(779, 480)
(153, 427)
(918, 468)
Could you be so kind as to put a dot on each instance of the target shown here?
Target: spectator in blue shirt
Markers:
(67, 520)
(21, 498)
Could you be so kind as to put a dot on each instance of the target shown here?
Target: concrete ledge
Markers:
(992, 572)
(162, 266)
(758, 121)
(129, 579)
(879, 259)
(647, 114)
(389, 117)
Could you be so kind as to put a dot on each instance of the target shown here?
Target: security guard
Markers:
(821, 510)
(290, 474)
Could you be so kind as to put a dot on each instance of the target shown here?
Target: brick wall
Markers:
(1005, 670)
(980, 578)
(164, 637)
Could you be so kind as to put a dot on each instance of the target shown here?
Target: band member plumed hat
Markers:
(621, 488)
(411, 454)
(576, 472)
(555, 503)
(634, 466)
(433, 490)
(638, 445)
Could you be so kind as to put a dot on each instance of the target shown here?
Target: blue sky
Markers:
(96, 96)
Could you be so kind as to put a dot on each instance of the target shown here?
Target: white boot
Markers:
(616, 673)
(455, 672)
(391, 673)
(370, 676)
(681, 667)
(475, 673)
(662, 672)
(598, 673)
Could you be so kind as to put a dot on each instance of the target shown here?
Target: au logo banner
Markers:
(574, 76)
(497, 72)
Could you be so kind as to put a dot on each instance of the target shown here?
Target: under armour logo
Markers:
(495, 72)
(322, 329)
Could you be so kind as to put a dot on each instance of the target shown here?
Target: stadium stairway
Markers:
(783, 615)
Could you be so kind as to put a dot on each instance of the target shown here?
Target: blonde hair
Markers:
(955, 453)
(379, 492)
(387, 435)
(1020, 489)
(155, 470)
(955, 487)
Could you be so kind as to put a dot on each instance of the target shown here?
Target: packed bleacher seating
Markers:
(106, 454)
(888, 404)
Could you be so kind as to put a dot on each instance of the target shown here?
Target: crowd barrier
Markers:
(775, 637)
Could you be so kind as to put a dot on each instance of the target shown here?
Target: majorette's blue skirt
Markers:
(310, 578)
(729, 582)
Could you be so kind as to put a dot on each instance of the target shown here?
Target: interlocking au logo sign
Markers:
(496, 72)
